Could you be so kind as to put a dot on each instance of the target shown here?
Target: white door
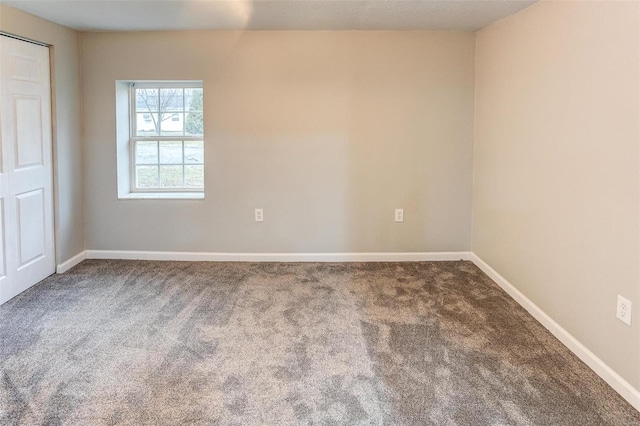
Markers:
(26, 202)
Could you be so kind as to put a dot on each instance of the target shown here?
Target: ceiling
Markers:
(151, 15)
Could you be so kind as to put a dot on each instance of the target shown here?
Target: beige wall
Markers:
(66, 111)
(556, 173)
(329, 132)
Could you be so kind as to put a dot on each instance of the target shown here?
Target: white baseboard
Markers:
(620, 385)
(278, 257)
(65, 266)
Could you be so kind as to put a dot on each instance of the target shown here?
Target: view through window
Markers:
(167, 137)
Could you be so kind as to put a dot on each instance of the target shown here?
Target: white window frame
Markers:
(133, 138)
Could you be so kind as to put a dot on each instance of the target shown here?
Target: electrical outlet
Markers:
(399, 215)
(623, 311)
(259, 215)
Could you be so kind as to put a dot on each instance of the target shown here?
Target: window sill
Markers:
(162, 196)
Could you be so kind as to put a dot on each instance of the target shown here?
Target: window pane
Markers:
(146, 176)
(193, 124)
(171, 100)
(194, 176)
(172, 124)
(193, 99)
(146, 152)
(193, 152)
(171, 176)
(147, 100)
(146, 124)
(171, 152)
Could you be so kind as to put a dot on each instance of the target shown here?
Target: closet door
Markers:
(26, 199)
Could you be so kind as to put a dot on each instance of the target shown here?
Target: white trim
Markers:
(620, 385)
(277, 257)
(28, 40)
(162, 196)
(163, 84)
(65, 266)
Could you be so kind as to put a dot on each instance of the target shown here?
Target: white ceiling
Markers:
(148, 15)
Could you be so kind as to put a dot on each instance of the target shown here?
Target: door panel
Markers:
(25, 68)
(31, 237)
(26, 190)
(28, 136)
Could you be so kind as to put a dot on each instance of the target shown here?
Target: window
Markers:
(166, 137)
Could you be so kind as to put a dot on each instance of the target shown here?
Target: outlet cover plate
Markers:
(399, 216)
(623, 310)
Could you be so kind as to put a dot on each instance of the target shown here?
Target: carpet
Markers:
(115, 342)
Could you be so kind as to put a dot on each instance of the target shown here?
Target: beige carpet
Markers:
(172, 343)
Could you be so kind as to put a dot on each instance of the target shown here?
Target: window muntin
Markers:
(167, 135)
